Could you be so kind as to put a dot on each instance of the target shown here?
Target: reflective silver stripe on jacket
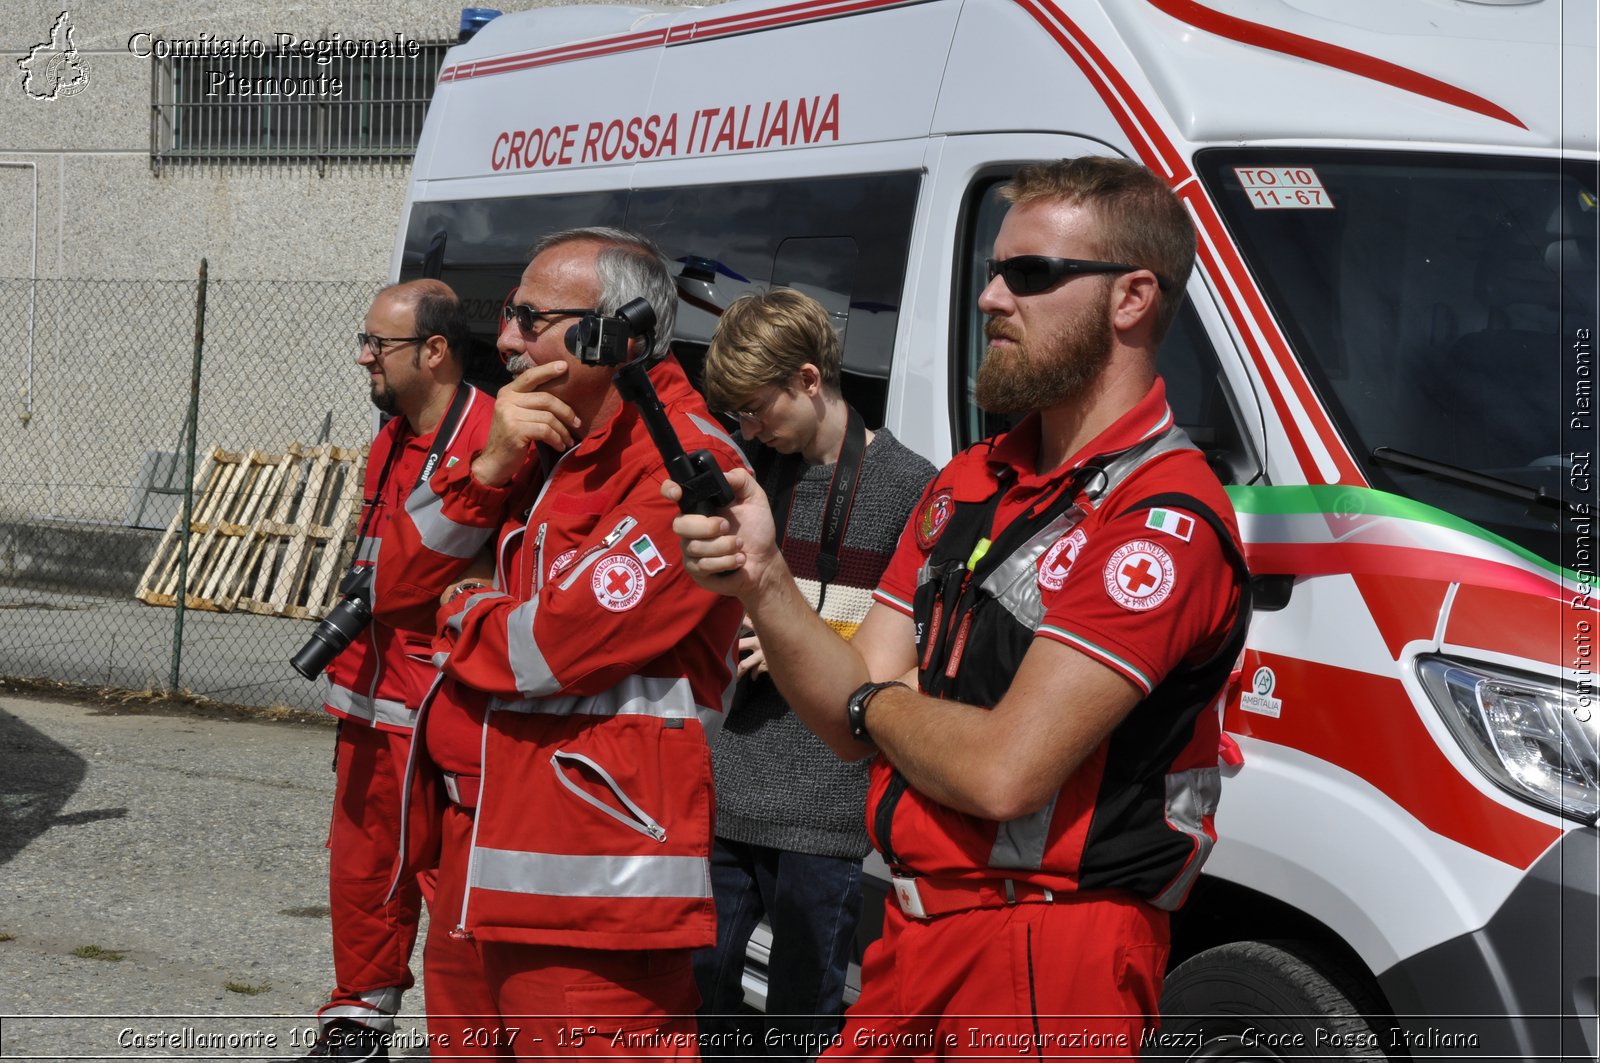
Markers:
(1191, 796)
(438, 532)
(635, 695)
(1019, 843)
(373, 710)
(454, 623)
(716, 431)
(528, 666)
(562, 875)
(1015, 583)
(367, 550)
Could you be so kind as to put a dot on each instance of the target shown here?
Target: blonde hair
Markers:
(1138, 219)
(764, 338)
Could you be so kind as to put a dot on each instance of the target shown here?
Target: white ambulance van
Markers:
(1387, 350)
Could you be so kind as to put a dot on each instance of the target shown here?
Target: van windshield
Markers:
(1444, 308)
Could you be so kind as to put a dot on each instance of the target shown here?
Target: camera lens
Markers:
(331, 636)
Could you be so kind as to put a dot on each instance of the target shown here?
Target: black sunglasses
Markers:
(527, 316)
(1032, 274)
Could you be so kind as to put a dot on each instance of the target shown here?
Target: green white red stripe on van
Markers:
(1322, 530)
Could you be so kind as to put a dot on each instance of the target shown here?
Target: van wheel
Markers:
(1255, 1000)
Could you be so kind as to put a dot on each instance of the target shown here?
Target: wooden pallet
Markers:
(271, 533)
(307, 543)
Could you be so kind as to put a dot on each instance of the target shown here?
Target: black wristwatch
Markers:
(856, 708)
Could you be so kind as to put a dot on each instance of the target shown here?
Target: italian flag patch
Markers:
(1170, 521)
(648, 555)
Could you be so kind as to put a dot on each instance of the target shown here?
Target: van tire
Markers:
(1257, 1000)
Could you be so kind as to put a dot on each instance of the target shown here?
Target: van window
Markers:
(480, 246)
(842, 240)
(1444, 308)
(1187, 361)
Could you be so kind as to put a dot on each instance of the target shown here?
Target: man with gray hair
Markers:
(563, 772)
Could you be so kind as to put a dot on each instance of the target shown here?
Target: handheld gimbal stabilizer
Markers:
(609, 341)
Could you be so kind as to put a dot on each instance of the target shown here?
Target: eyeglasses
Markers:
(755, 414)
(365, 341)
(1032, 274)
(527, 316)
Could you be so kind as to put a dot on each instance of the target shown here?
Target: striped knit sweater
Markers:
(777, 784)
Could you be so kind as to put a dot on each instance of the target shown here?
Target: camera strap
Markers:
(442, 435)
(840, 501)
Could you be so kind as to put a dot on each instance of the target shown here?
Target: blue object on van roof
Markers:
(474, 19)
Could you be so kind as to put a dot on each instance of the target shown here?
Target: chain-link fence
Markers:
(92, 495)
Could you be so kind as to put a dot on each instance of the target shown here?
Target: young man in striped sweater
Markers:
(791, 827)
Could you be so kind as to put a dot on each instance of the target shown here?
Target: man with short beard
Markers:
(412, 344)
(1071, 597)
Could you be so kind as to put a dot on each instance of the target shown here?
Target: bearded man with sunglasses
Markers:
(563, 774)
(1068, 599)
(412, 344)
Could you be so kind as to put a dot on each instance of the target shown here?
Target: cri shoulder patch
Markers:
(935, 515)
(1057, 561)
(1139, 575)
(618, 582)
(559, 565)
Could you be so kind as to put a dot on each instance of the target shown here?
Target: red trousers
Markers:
(1076, 979)
(499, 1000)
(372, 936)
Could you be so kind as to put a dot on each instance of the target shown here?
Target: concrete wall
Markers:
(94, 358)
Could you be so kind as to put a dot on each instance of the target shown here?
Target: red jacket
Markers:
(580, 693)
(381, 678)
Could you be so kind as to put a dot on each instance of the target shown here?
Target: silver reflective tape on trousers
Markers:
(528, 666)
(379, 1011)
(560, 875)
(1019, 843)
(438, 532)
(374, 710)
(1191, 796)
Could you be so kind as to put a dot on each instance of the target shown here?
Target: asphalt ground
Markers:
(163, 882)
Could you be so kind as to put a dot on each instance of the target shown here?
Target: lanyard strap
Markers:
(441, 439)
(784, 474)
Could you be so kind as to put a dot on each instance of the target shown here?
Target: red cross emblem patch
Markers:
(935, 515)
(618, 582)
(1057, 560)
(1139, 575)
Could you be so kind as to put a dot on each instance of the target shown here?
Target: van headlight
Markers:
(1525, 732)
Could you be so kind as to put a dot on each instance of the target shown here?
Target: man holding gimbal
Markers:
(567, 762)
(411, 345)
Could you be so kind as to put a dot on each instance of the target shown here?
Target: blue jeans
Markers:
(813, 904)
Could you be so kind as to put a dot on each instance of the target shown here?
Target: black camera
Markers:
(344, 622)
(600, 340)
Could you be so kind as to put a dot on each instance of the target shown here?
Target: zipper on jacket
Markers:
(538, 557)
(461, 933)
(612, 539)
(638, 819)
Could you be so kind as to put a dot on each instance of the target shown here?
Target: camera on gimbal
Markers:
(600, 340)
(340, 627)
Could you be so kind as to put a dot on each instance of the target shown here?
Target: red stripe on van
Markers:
(1331, 55)
(1367, 725)
(806, 11)
(1161, 155)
